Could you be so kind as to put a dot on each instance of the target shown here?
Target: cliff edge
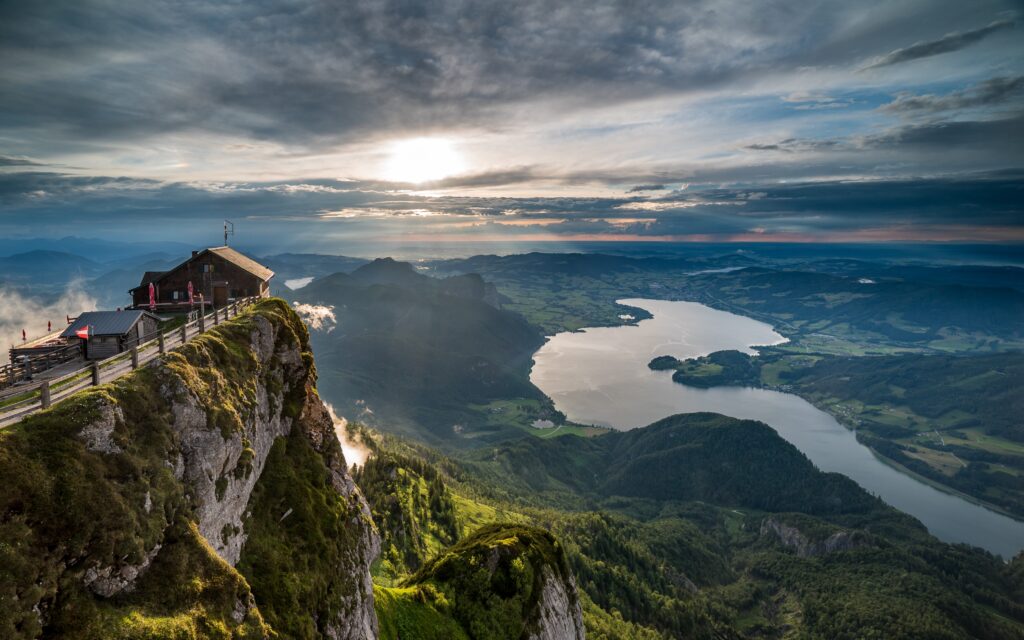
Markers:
(204, 496)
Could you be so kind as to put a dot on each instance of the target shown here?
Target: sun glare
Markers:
(422, 160)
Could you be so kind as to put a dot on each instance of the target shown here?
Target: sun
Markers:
(420, 160)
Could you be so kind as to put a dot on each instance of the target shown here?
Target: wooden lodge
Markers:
(219, 275)
(111, 332)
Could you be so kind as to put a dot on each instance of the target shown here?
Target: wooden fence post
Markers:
(184, 333)
(160, 342)
(135, 357)
(202, 322)
(216, 316)
(95, 374)
(44, 394)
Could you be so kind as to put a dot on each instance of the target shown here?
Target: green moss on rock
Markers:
(493, 579)
(415, 613)
(89, 486)
(301, 532)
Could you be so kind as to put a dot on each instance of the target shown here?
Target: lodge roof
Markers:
(151, 276)
(240, 260)
(243, 262)
(106, 323)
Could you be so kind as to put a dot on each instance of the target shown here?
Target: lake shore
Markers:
(600, 376)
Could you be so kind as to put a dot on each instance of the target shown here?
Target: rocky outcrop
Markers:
(558, 614)
(221, 469)
(155, 475)
(504, 573)
(359, 619)
(804, 546)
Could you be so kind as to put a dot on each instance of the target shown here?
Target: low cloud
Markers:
(316, 317)
(946, 44)
(356, 453)
(23, 312)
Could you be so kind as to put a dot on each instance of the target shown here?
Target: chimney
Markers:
(195, 253)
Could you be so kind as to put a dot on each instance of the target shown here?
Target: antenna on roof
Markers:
(229, 229)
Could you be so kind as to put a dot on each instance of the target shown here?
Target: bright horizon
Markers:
(874, 122)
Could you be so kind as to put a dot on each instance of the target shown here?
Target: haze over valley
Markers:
(591, 320)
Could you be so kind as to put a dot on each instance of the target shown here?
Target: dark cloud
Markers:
(323, 72)
(946, 44)
(790, 145)
(317, 215)
(646, 187)
(14, 161)
(987, 93)
(319, 73)
(514, 175)
(998, 137)
(967, 145)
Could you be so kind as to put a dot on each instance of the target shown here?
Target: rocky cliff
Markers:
(506, 581)
(205, 496)
(806, 545)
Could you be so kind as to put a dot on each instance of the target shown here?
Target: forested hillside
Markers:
(704, 554)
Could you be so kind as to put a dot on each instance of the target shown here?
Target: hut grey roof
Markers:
(106, 323)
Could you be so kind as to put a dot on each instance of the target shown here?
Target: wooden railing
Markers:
(23, 369)
(23, 400)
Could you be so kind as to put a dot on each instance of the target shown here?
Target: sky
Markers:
(324, 126)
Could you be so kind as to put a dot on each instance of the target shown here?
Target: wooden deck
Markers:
(22, 400)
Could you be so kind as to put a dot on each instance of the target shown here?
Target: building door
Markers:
(220, 295)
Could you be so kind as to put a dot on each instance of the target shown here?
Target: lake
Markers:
(600, 376)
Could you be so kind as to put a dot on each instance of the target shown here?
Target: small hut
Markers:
(111, 332)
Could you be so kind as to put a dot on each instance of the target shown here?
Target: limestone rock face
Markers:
(358, 619)
(525, 567)
(221, 472)
(793, 538)
(223, 426)
(559, 615)
(98, 435)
